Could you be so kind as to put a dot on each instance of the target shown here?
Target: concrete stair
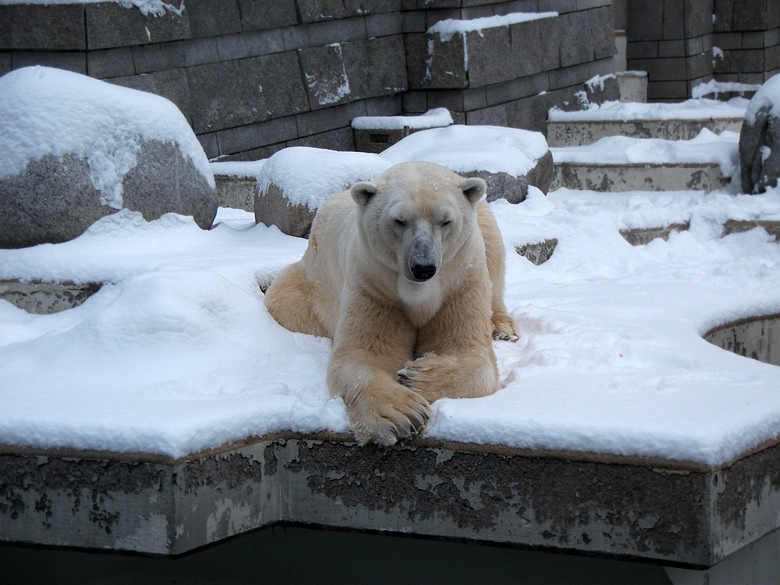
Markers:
(636, 147)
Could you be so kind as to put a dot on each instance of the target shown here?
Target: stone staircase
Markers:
(643, 147)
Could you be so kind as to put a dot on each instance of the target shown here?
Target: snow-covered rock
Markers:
(74, 149)
(294, 182)
(759, 143)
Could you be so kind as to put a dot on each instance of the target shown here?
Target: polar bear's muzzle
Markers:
(422, 262)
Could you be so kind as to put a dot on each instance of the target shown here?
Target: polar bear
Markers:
(406, 275)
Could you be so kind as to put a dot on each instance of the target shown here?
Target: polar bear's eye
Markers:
(400, 223)
(446, 222)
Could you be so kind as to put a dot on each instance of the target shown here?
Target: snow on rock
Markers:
(75, 149)
(434, 118)
(449, 27)
(707, 147)
(695, 109)
(759, 144)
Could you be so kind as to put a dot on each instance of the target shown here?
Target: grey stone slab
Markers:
(645, 21)
(660, 511)
(110, 63)
(112, 25)
(642, 50)
(325, 76)
(755, 337)
(236, 192)
(250, 44)
(295, 37)
(751, 15)
(210, 18)
(337, 31)
(209, 144)
(46, 298)
(6, 62)
(549, 43)
(341, 139)
(753, 40)
(560, 6)
(747, 61)
(602, 30)
(723, 13)
(483, 48)
(41, 27)
(575, 75)
(282, 87)
(332, 118)
(589, 4)
(75, 61)
(375, 67)
(320, 10)
(389, 105)
(673, 19)
(174, 55)
(255, 136)
(576, 42)
(517, 88)
(671, 49)
(382, 25)
(698, 17)
(264, 14)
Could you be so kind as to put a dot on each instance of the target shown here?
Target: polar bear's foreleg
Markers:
(290, 299)
(504, 326)
(372, 342)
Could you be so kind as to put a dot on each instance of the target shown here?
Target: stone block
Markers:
(272, 208)
(295, 37)
(642, 50)
(264, 14)
(723, 13)
(751, 15)
(753, 40)
(58, 27)
(549, 43)
(339, 139)
(671, 49)
(209, 144)
(250, 44)
(336, 31)
(234, 93)
(436, 62)
(517, 88)
(527, 56)
(569, 76)
(673, 19)
(75, 61)
(110, 63)
(382, 25)
(645, 21)
(699, 65)
(491, 58)
(6, 62)
(255, 136)
(325, 120)
(747, 61)
(602, 32)
(698, 17)
(209, 18)
(559, 6)
(172, 85)
(375, 67)
(667, 91)
(576, 43)
(174, 55)
(111, 25)
(325, 76)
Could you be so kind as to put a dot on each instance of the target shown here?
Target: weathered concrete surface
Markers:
(754, 337)
(670, 512)
(44, 298)
(588, 132)
(638, 177)
(236, 192)
(642, 236)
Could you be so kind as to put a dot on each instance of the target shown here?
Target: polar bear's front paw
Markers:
(432, 376)
(504, 327)
(389, 419)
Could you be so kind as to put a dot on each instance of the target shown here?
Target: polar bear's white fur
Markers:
(406, 275)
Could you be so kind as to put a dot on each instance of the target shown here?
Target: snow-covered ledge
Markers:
(674, 513)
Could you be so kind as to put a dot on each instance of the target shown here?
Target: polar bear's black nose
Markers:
(423, 272)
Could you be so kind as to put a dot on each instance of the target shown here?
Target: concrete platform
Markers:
(674, 513)
(638, 177)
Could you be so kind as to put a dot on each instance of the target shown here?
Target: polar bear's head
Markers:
(415, 217)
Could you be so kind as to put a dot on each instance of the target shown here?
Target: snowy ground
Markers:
(177, 353)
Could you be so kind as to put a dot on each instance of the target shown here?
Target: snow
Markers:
(447, 28)
(176, 353)
(768, 96)
(146, 7)
(46, 111)
(436, 117)
(612, 111)
(309, 175)
(707, 147)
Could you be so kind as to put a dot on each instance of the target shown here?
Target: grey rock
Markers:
(273, 208)
(514, 189)
(53, 199)
(759, 152)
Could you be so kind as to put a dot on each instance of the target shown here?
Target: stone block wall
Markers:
(683, 43)
(254, 76)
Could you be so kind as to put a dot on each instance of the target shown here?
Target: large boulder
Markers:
(759, 141)
(74, 149)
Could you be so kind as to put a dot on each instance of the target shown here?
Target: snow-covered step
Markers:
(619, 163)
(682, 121)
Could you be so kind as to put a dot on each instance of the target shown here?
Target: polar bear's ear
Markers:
(362, 192)
(473, 188)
